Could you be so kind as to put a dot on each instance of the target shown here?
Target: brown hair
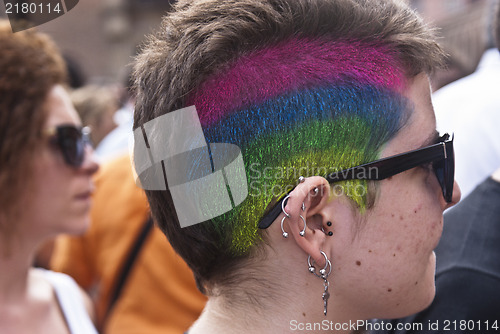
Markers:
(198, 38)
(30, 65)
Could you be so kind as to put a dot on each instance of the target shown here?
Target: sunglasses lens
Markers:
(445, 173)
(439, 170)
(72, 145)
(450, 172)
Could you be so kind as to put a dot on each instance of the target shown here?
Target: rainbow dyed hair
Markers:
(303, 105)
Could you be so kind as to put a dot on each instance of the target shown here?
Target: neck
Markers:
(293, 304)
(216, 318)
(15, 263)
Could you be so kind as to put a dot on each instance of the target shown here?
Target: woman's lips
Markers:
(83, 196)
(86, 195)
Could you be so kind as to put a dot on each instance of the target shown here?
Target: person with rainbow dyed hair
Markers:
(329, 103)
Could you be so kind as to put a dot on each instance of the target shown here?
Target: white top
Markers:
(117, 142)
(470, 107)
(70, 299)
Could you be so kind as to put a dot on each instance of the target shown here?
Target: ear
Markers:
(307, 203)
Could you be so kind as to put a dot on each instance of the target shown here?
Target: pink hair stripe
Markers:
(291, 66)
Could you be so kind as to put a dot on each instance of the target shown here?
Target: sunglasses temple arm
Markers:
(272, 215)
(384, 168)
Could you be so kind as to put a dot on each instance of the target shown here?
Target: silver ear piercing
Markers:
(284, 233)
(303, 232)
(287, 215)
(323, 274)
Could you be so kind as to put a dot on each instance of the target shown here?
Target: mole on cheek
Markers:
(358, 263)
(389, 290)
(303, 313)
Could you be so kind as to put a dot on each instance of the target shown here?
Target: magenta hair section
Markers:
(292, 66)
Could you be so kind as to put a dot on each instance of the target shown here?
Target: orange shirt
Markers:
(160, 295)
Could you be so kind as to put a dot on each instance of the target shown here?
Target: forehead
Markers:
(59, 108)
(421, 126)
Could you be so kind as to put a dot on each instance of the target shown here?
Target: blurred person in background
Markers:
(46, 167)
(116, 143)
(471, 107)
(96, 106)
(137, 281)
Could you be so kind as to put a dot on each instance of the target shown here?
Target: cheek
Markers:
(397, 241)
(412, 215)
(52, 185)
(414, 229)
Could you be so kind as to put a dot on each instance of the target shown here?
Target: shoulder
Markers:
(72, 299)
(467, 293)
(65, 285)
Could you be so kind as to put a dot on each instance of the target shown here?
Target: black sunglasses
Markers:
(441, 156)
(71, 140)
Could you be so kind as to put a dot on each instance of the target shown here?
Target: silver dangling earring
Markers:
(323, 274)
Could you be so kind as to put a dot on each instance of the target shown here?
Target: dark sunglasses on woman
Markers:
(439, 155)
(71, 140)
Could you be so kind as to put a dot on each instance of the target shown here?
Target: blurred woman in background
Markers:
(45, 180)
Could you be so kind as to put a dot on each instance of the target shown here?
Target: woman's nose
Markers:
(90, 164)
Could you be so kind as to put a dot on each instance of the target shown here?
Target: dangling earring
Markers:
(323, 274)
